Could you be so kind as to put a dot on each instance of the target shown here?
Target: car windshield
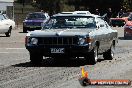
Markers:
(36, 16)
(70, 22)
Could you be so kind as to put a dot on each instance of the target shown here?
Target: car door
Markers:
(103, 35)
(110, 35)
(4, 25)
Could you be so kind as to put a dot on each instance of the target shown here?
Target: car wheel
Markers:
(24, 30)
(109, 54)
(114, 25)
(93, 56)
(125, 36)
(36, 58)
(8, 34)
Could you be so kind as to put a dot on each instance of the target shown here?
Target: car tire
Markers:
(109, 54)
(92, 57)
(24, 30)
(36, 58)
(8, 34)
(126, 37)
(114, 25)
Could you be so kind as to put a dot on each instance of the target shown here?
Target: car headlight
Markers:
(34, 41)
(81, 41)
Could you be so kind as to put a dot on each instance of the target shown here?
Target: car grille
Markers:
(58, 41)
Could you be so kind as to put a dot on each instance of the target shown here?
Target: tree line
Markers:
(55, 6)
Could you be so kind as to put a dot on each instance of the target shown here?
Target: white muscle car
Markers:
(6, 25)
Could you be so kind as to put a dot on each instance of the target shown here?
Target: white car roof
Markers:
(82, 12)
(76, 13)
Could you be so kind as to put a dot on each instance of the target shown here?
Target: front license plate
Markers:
(57, 50)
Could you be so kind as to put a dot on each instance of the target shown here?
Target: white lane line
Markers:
(11, 52)
(4, 52)
(15, 48)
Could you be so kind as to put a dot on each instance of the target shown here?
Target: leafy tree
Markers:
(102, 5)
(55, 6)
(127, 5)
(50, 6)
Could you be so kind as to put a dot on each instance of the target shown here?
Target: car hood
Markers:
(34, 20)
(60, 32)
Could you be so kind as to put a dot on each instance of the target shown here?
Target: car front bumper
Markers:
(31, 28)
(67, 50)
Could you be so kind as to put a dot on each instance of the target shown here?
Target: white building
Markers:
(7, 7)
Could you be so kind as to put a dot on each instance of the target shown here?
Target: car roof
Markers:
(82, 12)
(75, 13)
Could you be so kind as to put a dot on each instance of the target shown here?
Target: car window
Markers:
(5, 16)
(101, 22)
(2, 17)
(71, 22)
